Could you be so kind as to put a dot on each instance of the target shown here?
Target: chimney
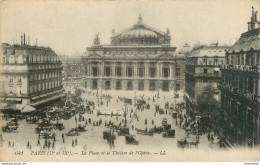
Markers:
(24, 39)
(256, 16)
(21, 40)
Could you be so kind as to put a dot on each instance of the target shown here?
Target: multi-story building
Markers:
(240, 89)
(30, 75)
(73, 69)
(202, 70)
(139, 58)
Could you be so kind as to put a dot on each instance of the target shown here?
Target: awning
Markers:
(216, 69)
(28, 109)
(13, 99)
(48, 99)
(35, 97)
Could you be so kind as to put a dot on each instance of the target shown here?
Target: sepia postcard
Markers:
(129, 81)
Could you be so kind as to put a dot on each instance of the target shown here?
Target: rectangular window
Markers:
(205, 71)
(178, 72)
(141, 72)
(119, 72)
(152, 72)
(129, 72)
(107, 71)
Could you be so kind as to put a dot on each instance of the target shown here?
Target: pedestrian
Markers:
(45, 142)
(28, 144)
(39, 136)
(75, 119)
(208, 137)
(9, 144)
(145, 122)
(152, 122)
(53, 135)
(38, 143)
(72, 143)
(53, 145)
(76, 141)
(13, 145)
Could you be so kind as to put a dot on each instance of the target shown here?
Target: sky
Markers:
(70, 26)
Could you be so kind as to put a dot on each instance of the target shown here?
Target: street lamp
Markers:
(125, 114)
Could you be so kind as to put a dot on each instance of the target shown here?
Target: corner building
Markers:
(240, 90)
(139, 58)
(30, 76)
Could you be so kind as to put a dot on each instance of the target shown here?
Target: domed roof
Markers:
(133, 33)
(140, 34)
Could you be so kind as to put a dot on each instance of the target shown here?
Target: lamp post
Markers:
(125, 114)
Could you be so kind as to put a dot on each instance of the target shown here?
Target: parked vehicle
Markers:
(169, 134)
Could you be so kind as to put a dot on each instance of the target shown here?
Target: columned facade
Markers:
(139, 58)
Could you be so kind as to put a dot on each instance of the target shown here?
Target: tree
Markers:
(208, 108)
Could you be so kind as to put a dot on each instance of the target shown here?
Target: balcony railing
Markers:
(207, 75)
(247, 68)
(236, 91)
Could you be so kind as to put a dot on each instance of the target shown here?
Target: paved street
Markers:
(92, 139)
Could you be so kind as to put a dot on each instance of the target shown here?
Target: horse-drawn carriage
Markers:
(81, 128)
(129, 139)
(108, 135)
(158, 130)
(45, 125)
(32, 120)
(169, 133)
(58, 126)
(46, 134)
(183, 143)
(145, 132)
(72, 132)
(123, 131)
(9, 128)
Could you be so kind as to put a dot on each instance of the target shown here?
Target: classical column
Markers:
(146, 69)
(135, 69)
(90, 69)
(158, 69)
(113, 69)
(124, 69)
(102, 69)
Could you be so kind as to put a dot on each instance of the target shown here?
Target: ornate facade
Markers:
(240, 90)
(30, 75)
(139, 58)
